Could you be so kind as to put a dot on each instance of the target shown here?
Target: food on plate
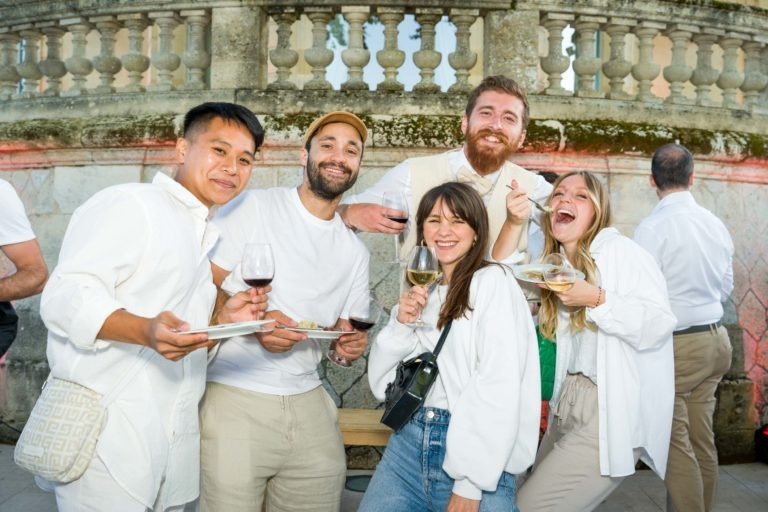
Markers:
(307, 324)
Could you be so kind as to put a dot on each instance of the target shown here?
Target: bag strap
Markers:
(127, 377)
(443, 335)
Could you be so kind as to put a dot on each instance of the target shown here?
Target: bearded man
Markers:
(494, 127)
(269, 431)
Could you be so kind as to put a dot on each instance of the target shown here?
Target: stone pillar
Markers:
(731, 78)
(52, 67)
(27, 68)
(555, 63)
(356, 56)
(105, 62)
(678, 72)
(390, 57)
(78, 64)
(704, 76)
(283, 57)
(196, 58)
(427, 59)
(645, 71)
(135, 61)
(319, 56)
(587, 63)
(510, 43)
(165, 60)
(617, 68)
(239, 47)
(754, 78)
(9, 77)
(463, 59)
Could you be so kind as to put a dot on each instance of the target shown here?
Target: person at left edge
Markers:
(133, 271)
(270, 431)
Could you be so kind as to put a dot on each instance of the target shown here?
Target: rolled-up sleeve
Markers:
(101, 248)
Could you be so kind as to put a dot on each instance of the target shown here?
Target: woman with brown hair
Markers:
(479, 423)
(614, 387)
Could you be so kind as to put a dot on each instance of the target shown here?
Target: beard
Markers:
(486, 160)
(325, 188)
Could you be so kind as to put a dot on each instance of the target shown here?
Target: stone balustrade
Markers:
(649, 53)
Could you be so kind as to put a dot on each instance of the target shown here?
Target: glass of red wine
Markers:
(258, 265)
(362, 319)
(396, 200)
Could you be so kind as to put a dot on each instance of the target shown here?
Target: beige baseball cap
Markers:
(337, 117)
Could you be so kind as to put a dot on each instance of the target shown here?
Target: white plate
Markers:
(318, 334)
(522, 272)
(216, 332)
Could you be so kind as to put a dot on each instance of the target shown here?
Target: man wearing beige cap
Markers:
(269, 430)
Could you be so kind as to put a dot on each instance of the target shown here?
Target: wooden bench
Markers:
(363, 427)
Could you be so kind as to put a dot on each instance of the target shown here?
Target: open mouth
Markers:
(336, 170)
(445, 244)
(225, 184)
(564, 217)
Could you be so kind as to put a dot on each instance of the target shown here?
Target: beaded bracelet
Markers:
(599, 296)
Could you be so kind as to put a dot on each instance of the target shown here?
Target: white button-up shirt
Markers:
(14, 225)
(695, 253)
(143, 248)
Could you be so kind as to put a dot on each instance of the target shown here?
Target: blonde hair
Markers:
(581, 259)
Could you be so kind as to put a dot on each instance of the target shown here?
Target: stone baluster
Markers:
(165, 60)
(319, 56)
(754, 78)
(196, 59)
(705, 75)
(764, 67)
(52, 67)
(678, 72)
(617, 68)
(730, 78)
(78, 64)
(645, 71)
(555, 63)
(135, 61)
(106, 63)
(587, 64)
(9, 77)
(463, 59)
(283, 56)
(426, 58)
(390, 57)
(356, 56)
(27, 68)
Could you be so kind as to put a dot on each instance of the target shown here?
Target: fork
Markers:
(545, 209)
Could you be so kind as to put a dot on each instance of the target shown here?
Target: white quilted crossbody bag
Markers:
(59, 439)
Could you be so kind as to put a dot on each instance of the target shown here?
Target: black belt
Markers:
(699, 328)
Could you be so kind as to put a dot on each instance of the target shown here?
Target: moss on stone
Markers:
(418, 131)
(42, 132)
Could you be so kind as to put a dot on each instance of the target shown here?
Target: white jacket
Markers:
(635, 360)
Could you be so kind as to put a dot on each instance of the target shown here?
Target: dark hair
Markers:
(464, 202)
(199, 117)
(502, 84)
(672, 166)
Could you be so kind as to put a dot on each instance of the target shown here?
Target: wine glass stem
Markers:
(397, 248)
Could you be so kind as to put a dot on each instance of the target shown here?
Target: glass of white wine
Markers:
(558, 273)
(422, 270)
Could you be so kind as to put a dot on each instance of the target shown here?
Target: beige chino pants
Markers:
(701, 360)
(282, 452)
(566, 475)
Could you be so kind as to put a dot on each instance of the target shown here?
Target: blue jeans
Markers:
(410, 476)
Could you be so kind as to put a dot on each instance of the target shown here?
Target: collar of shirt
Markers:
(683, 197)
(181, 194)
(601, 239)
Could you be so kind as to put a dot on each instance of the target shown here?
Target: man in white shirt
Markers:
(493, 125)
(270, 433)
(695, 253)
(133, 272)
(18, 243)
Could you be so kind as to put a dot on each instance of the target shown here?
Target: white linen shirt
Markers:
(635, 367)
(14, 225)
(143, 248)
(488, 379)
(695, 253)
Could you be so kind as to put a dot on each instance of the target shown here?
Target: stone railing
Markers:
(687, 54)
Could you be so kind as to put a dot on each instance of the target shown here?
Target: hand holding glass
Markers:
(396, 200)
(422, 270)
(362, 320)
(559, 275)
(258, 265)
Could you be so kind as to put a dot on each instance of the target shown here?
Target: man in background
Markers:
(695, 253)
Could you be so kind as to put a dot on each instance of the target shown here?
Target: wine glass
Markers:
(258, 265)
(396, 200)
(362, 319)
(422, 270)
(558, 273)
